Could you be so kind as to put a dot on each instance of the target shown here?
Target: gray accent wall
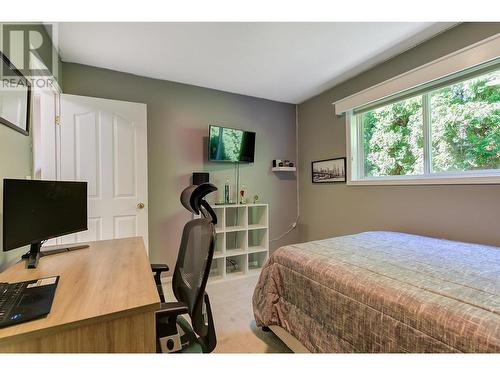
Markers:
(16, 155)
(15, 162)
(178, 119)
(458, 212)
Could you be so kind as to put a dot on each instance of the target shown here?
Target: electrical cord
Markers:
(294, 225)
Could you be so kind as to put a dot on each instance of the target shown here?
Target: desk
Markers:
(105, 302)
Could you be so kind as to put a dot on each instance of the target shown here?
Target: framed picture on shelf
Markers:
(15, 97)
(329, 171)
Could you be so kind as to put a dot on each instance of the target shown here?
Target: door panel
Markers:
(124, 145)
(104, 142)
(94, 233)
(88, 152)
(125, 226)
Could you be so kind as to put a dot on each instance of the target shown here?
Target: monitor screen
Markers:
(232, 145)
(35, 211)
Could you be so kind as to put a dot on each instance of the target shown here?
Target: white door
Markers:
(104, 142)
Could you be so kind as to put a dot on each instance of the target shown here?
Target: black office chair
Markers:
(173, 332)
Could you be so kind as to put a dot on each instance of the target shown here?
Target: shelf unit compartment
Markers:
(236, 242)
(242, 231)
(236, 265)
(236, 218)
(258, 240)
(217, 269)
(256, 261)
(219, 211)
(219, 245)
(257, 217)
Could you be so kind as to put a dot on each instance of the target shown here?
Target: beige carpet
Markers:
(231, 303)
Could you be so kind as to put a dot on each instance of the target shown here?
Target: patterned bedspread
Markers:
(384, 292)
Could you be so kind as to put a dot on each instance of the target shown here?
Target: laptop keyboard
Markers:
(27, 300)
(9, 295)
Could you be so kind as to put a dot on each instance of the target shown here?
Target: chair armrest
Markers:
(159, 268)
(172, 309)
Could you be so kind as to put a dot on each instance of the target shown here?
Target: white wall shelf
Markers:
(284, 169)
(242, 237)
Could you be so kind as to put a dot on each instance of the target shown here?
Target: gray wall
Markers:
(15, 162)
(178, 119)
(458, 212)
(16, 157)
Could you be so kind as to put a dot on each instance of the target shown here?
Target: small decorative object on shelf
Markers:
(255, 199)
(242, 195)
(283, 163)
(200, 178)
(232, 266)
(283, 166)
(227, 191)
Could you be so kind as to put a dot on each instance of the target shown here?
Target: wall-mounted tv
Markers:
(230, 145)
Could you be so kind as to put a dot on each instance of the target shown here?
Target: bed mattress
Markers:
(383, 292)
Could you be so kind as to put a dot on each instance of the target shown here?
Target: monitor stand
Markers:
(63, 249)
(33, 256)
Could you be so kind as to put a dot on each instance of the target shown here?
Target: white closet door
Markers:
(104, 142)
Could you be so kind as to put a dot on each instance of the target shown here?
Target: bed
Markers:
(382, 292)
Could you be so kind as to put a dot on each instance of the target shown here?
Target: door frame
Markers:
(46, 125)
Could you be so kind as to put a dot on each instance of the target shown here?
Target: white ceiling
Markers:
(287, 62)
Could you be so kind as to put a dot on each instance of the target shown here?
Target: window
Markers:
(393, 139)
(465, 125)
(446, 130)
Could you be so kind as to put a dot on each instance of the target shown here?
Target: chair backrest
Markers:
(195, 255)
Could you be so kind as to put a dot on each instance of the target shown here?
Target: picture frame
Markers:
(329, 171)
(15, 97)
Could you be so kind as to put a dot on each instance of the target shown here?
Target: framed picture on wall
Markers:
(329, 171)
(15, 97)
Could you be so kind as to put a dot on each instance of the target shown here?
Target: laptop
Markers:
(27, 300)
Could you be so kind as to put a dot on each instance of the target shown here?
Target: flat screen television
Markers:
(230, 145)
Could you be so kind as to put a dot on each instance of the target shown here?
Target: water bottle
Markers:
(227, 192)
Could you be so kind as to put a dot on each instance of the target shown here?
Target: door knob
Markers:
(140, 206)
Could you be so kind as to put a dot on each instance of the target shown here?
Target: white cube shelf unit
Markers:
(242, 240)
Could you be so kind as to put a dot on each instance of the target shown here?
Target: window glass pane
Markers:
(465, 125)
(393, 139)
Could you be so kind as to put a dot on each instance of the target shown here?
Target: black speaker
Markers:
(200, 178)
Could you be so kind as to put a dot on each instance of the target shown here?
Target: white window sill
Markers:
(471, 179)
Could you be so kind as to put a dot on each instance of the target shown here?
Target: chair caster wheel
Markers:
(266, 329)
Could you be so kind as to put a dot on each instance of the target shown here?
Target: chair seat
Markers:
(189, 340)
(190, 343)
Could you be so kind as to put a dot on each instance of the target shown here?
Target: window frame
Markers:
(445, 68)
(356, 158)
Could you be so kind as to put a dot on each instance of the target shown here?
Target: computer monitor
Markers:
(36, 211)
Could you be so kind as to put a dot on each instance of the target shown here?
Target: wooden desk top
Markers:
(108, 280)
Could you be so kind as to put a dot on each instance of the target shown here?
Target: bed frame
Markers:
(293, 344)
